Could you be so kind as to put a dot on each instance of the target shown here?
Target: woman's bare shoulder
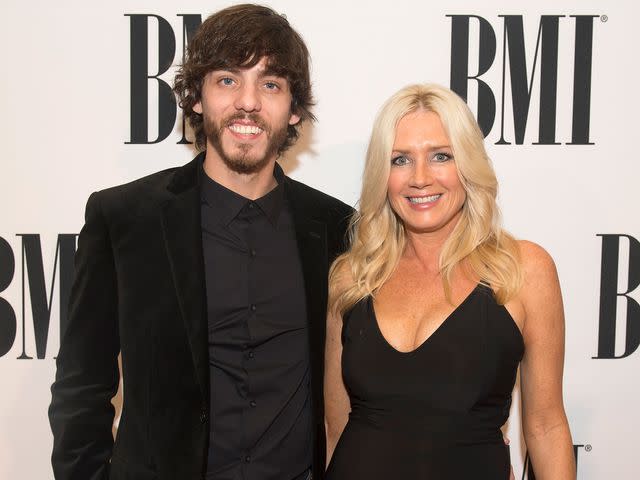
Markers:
(540, 294)
(537, 263)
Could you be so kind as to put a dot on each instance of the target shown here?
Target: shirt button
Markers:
(247, 459)
(252, 403)
(251, 205)
(252, 252)
(253, 307)
(251, 354)
(203, 417)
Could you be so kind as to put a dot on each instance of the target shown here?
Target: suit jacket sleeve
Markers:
(81, 413)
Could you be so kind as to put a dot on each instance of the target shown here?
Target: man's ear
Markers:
(293, 119)
(198, 107)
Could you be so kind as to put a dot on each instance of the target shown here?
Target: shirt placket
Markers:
(248, 359)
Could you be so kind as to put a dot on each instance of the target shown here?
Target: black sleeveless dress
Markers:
(434, 412)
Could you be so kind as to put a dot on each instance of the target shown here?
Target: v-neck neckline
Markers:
(434, 333)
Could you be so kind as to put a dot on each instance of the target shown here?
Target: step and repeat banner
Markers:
(86, 104)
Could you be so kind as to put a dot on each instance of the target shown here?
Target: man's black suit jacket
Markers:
(139, 289)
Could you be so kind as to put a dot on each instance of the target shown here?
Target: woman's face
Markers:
(423, 188)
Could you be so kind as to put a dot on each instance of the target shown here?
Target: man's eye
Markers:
(271, 86)
(226, 81)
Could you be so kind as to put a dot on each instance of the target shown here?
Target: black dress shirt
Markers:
(258, 337)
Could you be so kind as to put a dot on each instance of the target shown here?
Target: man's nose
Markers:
(248, 98)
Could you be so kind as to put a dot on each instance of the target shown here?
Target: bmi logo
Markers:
(523, 70)
(620, 255)
(143, 80)
(34, 291)
(528, 68)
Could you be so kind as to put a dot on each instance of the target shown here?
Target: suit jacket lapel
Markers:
(183, 242)
(311, 235)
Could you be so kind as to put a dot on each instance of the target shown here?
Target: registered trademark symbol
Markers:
(587, 448)
(604, 18)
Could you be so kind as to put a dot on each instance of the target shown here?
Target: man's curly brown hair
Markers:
(239, 37)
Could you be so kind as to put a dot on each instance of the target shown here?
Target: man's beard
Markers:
(243, 162)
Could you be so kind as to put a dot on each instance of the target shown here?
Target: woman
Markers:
(433, 308)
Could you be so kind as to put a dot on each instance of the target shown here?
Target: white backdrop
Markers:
(65, 103)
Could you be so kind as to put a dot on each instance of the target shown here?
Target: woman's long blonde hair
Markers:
(378, 235)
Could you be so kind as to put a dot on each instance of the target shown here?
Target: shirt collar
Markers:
(227, 203)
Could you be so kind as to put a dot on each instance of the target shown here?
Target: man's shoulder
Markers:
(316, 199)
(146, 193)
(316, 205)
(157, 183)
(149, 183)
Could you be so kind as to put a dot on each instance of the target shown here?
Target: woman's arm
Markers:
(545, 426)
(336, 399)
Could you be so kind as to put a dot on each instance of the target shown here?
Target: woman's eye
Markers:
(399, 160)
(441, 157)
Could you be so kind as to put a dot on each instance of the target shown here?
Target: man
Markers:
(211, 280)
